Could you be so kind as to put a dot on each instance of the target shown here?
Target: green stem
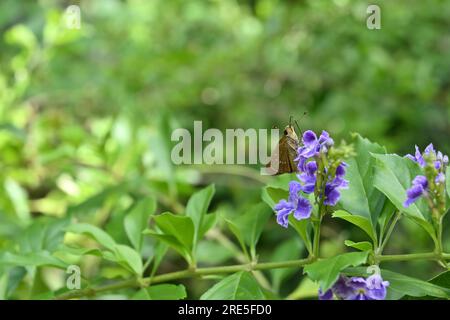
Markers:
(316, 240)
(183, 274)
(389, 232)
(134, 283)
(439, 247)
(411, 256)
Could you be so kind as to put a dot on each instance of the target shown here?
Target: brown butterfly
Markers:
(282, 159)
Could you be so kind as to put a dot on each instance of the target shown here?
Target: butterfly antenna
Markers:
(296, 123)
(298, 128)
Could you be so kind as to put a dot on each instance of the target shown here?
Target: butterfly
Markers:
(282, 159)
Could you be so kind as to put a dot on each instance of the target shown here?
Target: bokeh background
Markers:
(86, 115)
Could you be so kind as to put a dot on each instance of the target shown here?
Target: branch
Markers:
(89, 292)
(136, 283)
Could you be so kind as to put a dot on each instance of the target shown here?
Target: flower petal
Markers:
(419, 158)
(332, 195)
(340, 170)
(420, 180)
(412, 194)
(294, 188)
(309, 137)
(440, 178)
(311, 168)
(429, 149)
(327, 295)
(303, 210)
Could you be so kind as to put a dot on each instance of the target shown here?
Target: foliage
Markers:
(85, 122)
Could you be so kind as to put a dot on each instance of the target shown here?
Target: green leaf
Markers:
(96, 233)
(239, 286)
(327, 271)
(167, 292)
(358, 221)
(210, 252)
(128, 257)
(362, 199)
(401, 285)
(248, 227)
(35, 259)
(234, 228)
(161, 292)
(136, 221)
(252, 224)
(272, 196)
(386, 216)
(179, 227)
(393, 176)
(441, 280)
(19, 199)
(289, 250)
(3, 286)
(11, 280)
(158, 255)
(43, 234)
(21, 35)
(173, 242)
(209, 220)
(63, 250)
(197, 208)
(363, 245)
(98, 200)
(303, 228)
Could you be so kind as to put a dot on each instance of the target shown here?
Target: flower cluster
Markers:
(431, 183)
(357, 288)
(317, 175)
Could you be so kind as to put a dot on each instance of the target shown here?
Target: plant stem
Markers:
(316, 240)
(411, 256)
(439, 248)
(183, 274)
(389, 232)
(134, 283)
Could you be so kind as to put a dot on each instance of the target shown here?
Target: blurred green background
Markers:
(86, 115)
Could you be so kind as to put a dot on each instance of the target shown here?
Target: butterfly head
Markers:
(290, 132)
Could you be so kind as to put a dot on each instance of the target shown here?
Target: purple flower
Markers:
(417, 157)
(312, 147)
(303, 210)
(308, 171)
(297, 204)
(440, 178)
(376, 287)
(419, 188)
(440, 160)
(327, 295)
(357, 288)
(332, 193)
(435, 163)
(308, 177)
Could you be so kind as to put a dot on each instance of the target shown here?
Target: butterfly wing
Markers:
(283, 157)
